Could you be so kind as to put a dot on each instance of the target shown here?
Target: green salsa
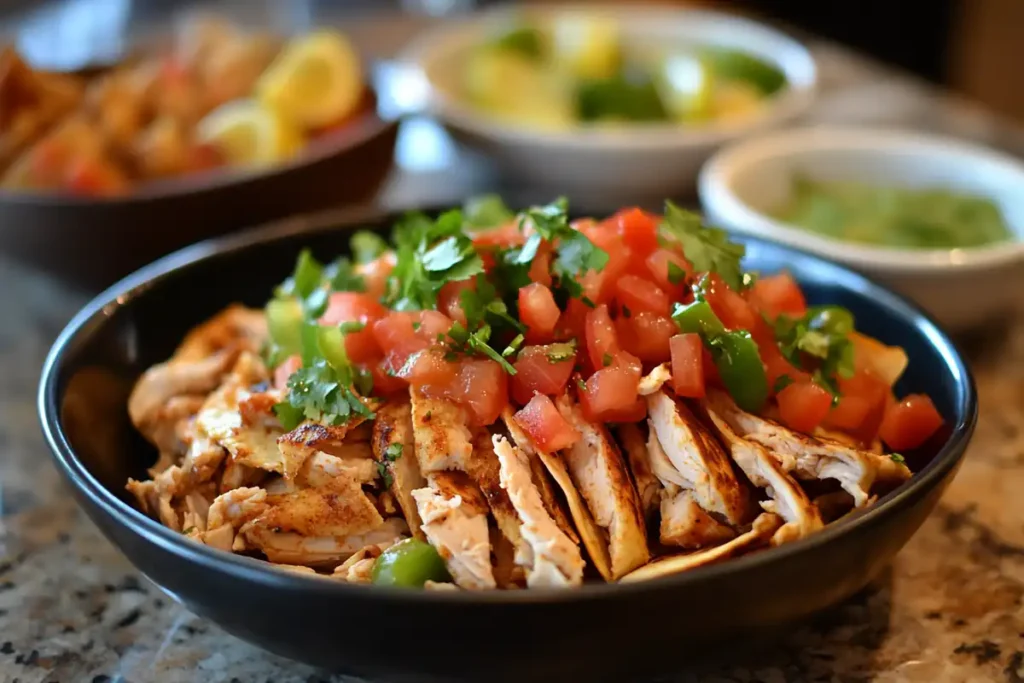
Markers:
(930, 218)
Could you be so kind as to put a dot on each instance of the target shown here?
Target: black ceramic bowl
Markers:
(598, 632)
(93, 242)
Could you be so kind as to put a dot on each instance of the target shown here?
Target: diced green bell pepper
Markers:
(698, 317)
(739, 365)
(284, 322)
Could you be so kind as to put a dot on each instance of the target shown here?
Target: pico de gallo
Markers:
(492, 309)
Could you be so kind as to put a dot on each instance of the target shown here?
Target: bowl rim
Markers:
(718, 198)
(94, 314)
(797, 96)
(354, 134)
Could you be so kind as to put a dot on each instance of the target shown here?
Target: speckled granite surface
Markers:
(949, 611)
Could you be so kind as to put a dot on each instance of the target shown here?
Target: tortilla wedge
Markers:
(761, 531)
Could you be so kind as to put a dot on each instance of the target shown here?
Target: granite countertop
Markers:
(949, 610)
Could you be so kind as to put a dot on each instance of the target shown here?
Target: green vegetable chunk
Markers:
(284, 323)
(740, 367)
(740, 66)
(409, 563)
(697, 317)
(622, 98)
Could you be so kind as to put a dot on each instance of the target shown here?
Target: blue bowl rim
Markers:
(94, 314)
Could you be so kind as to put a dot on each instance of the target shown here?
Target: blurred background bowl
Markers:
(609, 166)
(744, 184)
(94, 241)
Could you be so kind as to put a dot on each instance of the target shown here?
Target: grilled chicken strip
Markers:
(762, 529)
(286, 547)
(699, 459)
(684, 522)
(763, 470)
(454, 520)
(808, 457)
(631, 438)
(549, 557)
(599, 472)
(229, 512)
(392, 433)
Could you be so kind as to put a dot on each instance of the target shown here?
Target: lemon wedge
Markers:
(250, 134)
(315, 81)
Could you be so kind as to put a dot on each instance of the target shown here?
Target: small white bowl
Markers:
(961, 288)
(624, 164)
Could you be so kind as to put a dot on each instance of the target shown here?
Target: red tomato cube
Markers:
(541, 420)
(646, 335)
(638, 229)
(636, 294)
(541, 369)
(688, 365)
(910, 423)
(803, 405)
(538, 311)
(776, 295)
(609, 391)
(602, 342)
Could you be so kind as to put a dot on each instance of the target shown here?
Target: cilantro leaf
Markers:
(316, 393)
(486, 211)
(385, 475)
(575, 254)
(822, 334)
(708, 249)
(393, 451)
(897, 458)
(561, 352)
(367, 246)
(342, 276)
(781, 383)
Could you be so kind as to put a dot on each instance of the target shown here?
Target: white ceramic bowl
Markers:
(628, 164)
(962, 288)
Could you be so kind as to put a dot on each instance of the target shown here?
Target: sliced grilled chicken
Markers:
(549, 557)
(484, 469)
(699, 459)
(454, 520)
(763, 470)
(229, 512)
(157, 497)
(235, 327)
(762, 529)
(540, 475)
(648, 487)
(338, 507)
(287, 547)
(393, 447)
(808, 457)
(655, 380)
(597, 469)
(309, 437)
(441, 433)
(321, 469)
(684, 522)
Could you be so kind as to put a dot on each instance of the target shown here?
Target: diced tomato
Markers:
(646, 335)
(343, 307)
(803, 405)
(775, 295)
(638, 229)
(777, 366)
(538, 311)
(688, 365)
(862, 396)
(637, 294)
(402, 333)
(602, 342)
(634, 413)
(910, 423)
(384, 381)
(537, 372)
(204, 156)
(573, 322)
(428, 367)
(285, 370)
(375, 274)
(711, 376)
(503, 236)
(599, 286)
(483, 389)
(731, 308)
(540, 268)
(609, 391)
(449, 299)
(541, 420)
(672, 281)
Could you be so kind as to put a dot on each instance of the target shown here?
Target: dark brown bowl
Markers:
(595, 633)
(94, 242)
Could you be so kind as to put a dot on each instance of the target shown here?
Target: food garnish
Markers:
(480, 399)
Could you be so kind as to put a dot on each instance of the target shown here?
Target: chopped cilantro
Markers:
(708, 249)
(188, 530)
(513, 346)
(393, 452)
(462, 341)
(580, 384)
(607, 359)
(486, 211)
(561, 352)
(897, 458)
(626, 313)
(305, 278)
(385, 475)
(822, 334)
(351, 326)
(342, 277)
(367, 246)
(320, 392)
(749, 280)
